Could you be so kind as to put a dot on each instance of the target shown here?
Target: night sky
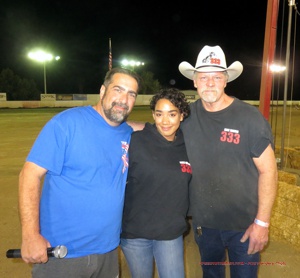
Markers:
(159, 34)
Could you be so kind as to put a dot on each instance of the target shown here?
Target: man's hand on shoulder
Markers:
(136, 125)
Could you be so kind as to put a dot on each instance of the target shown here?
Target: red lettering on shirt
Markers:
(185, 167)
(230, 137)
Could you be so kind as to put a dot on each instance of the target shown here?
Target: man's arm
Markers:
(136, 125)
(34, 246)
(267, 183)
(267, 189)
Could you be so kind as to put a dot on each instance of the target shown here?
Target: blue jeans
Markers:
(168, 255)
(212, 246)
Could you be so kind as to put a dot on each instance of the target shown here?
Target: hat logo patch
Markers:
(211, 60)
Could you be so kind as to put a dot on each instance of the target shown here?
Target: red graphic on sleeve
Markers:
(185, 167)
(125, 147)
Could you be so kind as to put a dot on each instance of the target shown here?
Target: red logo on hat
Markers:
(215, 61)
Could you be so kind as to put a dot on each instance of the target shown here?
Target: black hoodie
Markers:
(156, 199)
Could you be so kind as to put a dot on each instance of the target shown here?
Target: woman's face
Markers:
(167, 118)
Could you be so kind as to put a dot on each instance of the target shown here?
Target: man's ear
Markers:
(102, 91)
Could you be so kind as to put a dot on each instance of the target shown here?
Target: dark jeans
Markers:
(213, 245)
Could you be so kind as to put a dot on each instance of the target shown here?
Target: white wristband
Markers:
(261, 223)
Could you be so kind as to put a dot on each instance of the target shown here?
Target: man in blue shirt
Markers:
(82, 155)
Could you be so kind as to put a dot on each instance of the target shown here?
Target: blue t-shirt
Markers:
(83, 191)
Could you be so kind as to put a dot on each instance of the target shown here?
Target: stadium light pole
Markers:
(131, 63)
(277, 69)
(43, 57)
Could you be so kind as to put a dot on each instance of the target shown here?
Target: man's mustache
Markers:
(125, 106)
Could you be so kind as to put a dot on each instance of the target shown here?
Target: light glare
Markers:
(40, 56)
(277, 68)
(132, 63)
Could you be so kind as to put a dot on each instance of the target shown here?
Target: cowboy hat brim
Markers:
(234, 70)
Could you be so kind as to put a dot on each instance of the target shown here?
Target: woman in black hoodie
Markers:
(156, 198)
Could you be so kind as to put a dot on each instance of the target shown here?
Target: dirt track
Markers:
(18, 131)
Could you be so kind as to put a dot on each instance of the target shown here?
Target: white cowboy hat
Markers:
(211, 59)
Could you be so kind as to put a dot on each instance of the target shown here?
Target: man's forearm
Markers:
(267, 189)
(29, 198)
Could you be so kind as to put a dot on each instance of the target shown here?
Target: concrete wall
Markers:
(50, 100)
(53, 100)
(91, 100)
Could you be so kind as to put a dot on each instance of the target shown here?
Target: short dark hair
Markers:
(109, 75)
(175, 96)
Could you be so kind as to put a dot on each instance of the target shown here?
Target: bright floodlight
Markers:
(43, 57)
(131, 63)
(40, 56)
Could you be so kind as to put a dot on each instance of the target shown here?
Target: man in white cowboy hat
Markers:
(230, 147)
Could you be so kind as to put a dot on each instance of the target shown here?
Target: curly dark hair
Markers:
(175, 96)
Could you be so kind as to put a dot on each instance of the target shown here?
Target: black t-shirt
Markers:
(221, 146)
